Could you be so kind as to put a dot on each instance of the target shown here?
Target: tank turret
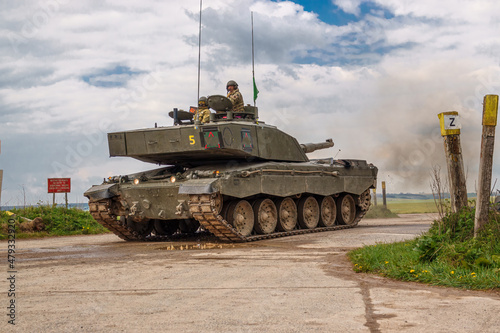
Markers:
(229, 136)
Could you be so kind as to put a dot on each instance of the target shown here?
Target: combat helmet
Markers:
(202, 101)
(231, 83)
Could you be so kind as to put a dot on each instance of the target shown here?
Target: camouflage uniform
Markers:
(203, 114)
(237, 99)
(203, 111)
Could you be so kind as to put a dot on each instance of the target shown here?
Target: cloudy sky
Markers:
(372, 75)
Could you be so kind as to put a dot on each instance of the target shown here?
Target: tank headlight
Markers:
(136, 181)
(173, 179)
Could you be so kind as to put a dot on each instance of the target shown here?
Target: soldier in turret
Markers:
(234, 95)
(203, 110)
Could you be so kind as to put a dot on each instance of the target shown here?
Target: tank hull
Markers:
(220, 196)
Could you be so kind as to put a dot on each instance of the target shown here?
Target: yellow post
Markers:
(490, 110)
(450, 131)
(384, 201)
(375, 197)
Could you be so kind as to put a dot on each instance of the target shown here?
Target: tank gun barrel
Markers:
(310, 147)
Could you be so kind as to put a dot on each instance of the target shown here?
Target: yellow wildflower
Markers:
(412, 271)
(452, 272)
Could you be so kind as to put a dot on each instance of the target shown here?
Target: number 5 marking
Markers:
(191, 140)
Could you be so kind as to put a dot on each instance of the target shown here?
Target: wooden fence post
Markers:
(490, 110)
(1, 177)
(450, 131)
(375, 197)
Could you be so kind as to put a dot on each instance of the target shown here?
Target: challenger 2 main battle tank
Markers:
(236, 177)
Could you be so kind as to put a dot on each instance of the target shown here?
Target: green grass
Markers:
(447, 255)
(407, 206)
(58, 221)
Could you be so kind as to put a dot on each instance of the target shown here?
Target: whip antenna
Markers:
(255, 90)
(199, 59)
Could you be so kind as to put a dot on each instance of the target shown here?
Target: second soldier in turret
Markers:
(203, 110)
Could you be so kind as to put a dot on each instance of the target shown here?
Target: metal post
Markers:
(53, 199)
(450, 131)
(384, 200)
(490, 110)
(66, 199)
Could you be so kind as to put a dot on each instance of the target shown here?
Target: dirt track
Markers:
(295, 284)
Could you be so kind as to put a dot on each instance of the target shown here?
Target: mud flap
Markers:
(100, 192)
(198, 186)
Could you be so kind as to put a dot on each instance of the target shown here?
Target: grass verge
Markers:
(58, 221)
(446, 255)
(412, 206)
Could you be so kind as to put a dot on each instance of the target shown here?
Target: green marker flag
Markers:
(255, 90)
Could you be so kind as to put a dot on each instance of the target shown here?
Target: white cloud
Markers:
(349, 6)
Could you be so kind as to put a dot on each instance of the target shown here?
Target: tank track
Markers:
(101, 212)
(204, 209)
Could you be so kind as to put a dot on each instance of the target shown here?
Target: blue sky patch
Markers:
(117, 76)
(334, 15)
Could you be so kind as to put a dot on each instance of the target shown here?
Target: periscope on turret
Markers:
(235, 176)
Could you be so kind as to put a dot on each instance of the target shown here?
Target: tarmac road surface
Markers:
(297, 284)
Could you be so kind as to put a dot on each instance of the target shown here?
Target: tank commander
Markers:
(203, 112)
(234, 95)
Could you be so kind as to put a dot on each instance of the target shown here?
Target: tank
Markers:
(235, 177)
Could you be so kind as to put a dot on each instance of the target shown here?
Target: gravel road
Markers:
(297, 284)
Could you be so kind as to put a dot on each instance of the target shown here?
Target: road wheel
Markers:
(287, 214)
(142, 228)
(165, 228)
(240, 216)
(188, 226)
(308, 212)
(266, 216)
(346, 209)
(328, 210)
